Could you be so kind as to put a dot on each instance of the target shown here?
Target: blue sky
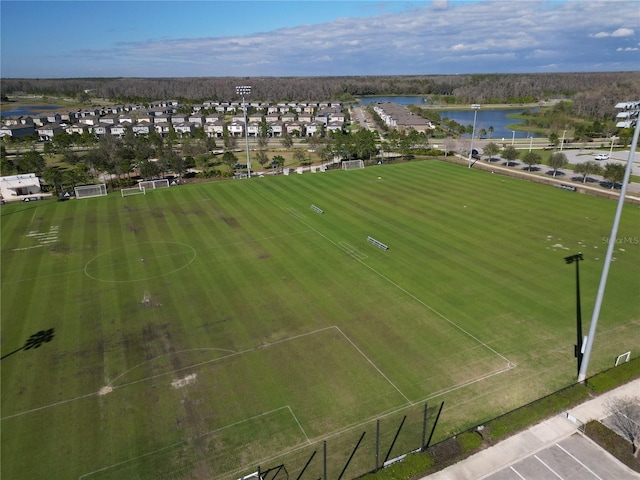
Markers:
(92, 38)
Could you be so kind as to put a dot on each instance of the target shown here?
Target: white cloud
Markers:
(623, 32)
(442, 37)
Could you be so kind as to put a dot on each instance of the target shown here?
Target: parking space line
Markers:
(517, 473)
(550, 469)
(590, 471)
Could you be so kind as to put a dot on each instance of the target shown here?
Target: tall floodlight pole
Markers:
(613, 139)
(630, 113)
(562, 141)
(578, 349)
(242, 91)
(513, 137)
(475, 107)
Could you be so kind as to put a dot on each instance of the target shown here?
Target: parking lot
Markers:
(574, 458)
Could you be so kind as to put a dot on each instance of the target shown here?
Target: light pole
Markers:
(513, 138)
(578, 349)
(613, 139)
(630, 113)
(242, 91)
(475, 108)
(562, 141)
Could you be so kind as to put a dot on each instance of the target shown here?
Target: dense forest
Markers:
(594, 94)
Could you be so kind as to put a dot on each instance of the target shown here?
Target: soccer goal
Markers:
(88, 191)
(127, 192)
(153, 184)
(352, 164)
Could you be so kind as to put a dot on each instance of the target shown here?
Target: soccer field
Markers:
(203, 330)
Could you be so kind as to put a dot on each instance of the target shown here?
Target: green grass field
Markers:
(206, 329)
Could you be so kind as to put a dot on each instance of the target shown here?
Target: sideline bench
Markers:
(318, 210)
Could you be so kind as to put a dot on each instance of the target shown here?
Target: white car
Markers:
(602, 156)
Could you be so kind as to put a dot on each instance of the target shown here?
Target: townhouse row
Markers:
(300, 119)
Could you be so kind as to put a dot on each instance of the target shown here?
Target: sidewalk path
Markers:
(531, 441)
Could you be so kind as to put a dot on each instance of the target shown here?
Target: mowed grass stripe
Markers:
(283, 271)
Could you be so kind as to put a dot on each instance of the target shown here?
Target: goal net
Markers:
(352, 164)
(127, 192)
(88, 191)
(152, 184)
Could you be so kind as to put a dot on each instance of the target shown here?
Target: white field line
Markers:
(84, 475)
(574, 458)
(299, 217)
(380, 416)
(202, 435)
(44, 407)
(204, 249)
(374, 366)
(299, 426)
(110, 383)
(170, 372)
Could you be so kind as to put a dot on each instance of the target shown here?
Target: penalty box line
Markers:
(202, 435)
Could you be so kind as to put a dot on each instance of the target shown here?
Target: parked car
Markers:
(602, 156)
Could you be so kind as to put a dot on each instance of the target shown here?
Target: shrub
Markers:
(413, 465)
(469, 441)
(614, 377)
(535, 412)
(613, 443)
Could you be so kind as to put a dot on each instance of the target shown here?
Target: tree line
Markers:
(594, 94)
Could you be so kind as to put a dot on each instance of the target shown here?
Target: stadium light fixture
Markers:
(475, 108)
(580, 343)
(630, 112)
(244, 90)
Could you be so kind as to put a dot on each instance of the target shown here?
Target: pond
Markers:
(486, 118)
(28, 110)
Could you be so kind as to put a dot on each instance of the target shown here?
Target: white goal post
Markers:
(352, 164)
(153, 184)
(623, 358)
(127, 192)
(88, 191)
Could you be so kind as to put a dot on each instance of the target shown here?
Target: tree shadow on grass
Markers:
(34, 341)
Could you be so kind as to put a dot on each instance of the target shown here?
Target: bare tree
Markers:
(449, 145)
(625, 413)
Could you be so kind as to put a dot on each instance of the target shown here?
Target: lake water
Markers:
(30, 110)
(486, 118)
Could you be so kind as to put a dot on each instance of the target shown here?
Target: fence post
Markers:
(324, 460)
(377, 442)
